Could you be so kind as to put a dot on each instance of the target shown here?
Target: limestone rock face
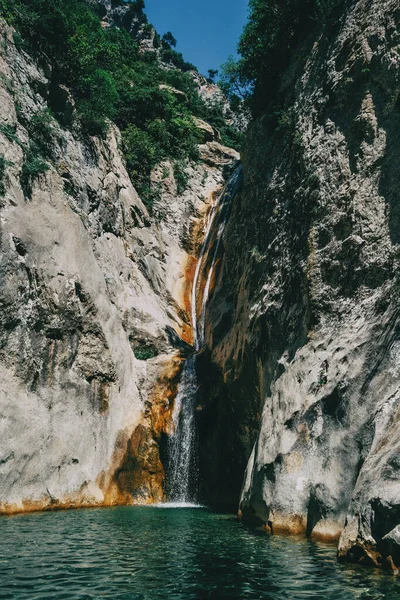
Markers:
(303, 328)
(208, 133)
(91, 286)
(212, 94)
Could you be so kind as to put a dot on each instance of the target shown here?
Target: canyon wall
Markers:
(303, 330)
(94, 302)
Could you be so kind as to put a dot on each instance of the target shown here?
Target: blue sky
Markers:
(207, 30)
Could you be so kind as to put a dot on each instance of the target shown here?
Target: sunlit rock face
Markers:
(94, 309)
(303, 327)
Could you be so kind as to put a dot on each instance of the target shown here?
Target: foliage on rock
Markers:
(273, 31)
(112, 78)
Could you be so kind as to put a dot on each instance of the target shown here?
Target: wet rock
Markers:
(141, 474)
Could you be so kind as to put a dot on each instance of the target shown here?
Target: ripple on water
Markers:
(182, 554)
(178, 505)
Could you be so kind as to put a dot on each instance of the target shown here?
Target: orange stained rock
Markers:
(187, 332)
(137, 475)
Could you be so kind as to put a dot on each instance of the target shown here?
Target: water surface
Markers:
(169, 553)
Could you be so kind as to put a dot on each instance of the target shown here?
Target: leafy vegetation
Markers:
(111, 79)
(33, 166)
(169, 39)
(273, 31)
(10, 132)
(39, 150)
(42, 132)
(212, 74)
(181, 177)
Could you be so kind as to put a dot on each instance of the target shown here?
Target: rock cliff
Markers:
(303, 327)
(94, 309)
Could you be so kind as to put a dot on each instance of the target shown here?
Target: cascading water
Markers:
(181, 443)
(182, 462)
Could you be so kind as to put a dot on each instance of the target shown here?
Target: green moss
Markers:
(257, 256)
(145, 352)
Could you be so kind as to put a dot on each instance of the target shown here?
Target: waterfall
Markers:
(181, 444)
(181, 474)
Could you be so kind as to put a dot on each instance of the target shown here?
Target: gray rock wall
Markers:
(303, 328)
(87, 279)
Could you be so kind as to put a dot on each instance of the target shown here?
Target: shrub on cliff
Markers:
(110, 79)
(169, 39)
(273, 30)
(141, 154)
(33, 166)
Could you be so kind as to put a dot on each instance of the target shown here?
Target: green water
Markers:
(140, 553)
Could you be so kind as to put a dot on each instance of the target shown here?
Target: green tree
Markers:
(138, 5)
(169, 39)
(141, 154)
(273, 30)
(233, 80)
(98, 102)
(212, 73)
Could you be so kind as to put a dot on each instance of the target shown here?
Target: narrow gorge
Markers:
(199, 290)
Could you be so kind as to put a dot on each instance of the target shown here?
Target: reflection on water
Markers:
(140, 553)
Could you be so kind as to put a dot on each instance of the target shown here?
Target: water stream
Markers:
(181, 473)
(182, 467)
